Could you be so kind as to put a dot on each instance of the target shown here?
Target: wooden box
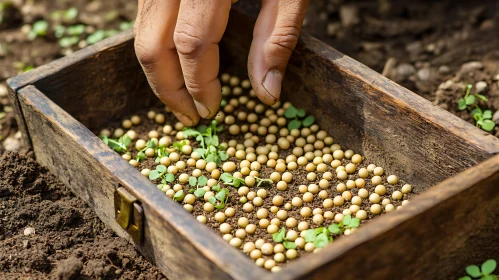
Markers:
(452, 222)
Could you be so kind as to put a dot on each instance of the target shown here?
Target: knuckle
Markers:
(146, 54)
(285, 37)
(186, 40)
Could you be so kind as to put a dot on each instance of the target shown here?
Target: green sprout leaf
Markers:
(178, 195)
(489, 266)
(354, 223)
(461, 104)
(202, 181)
(488, 125)
(95, 37)
(334, 229)
(465, 278)
(487, 114)
(193, 181)
(155, 174)
(70, 14)
(199, 192)
(470, 99)
(279, 236)
(294, 124)
(169, 177)
(308, 121)
(346, 220)
(289, 245)
(212, 200)
(226, 177)
(291, 112)
(310, 235)
(321, 240)
(300, 113)
(473, 271)
(220, 196)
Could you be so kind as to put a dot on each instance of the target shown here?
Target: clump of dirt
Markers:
(47, 232)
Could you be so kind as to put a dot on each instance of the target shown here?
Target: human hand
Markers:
(176, 42)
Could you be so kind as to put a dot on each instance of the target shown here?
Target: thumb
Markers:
(274, 39)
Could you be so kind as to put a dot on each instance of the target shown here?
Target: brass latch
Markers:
(129, 214)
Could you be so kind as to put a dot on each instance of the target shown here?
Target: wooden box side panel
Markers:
(438, 234)
(180, 246)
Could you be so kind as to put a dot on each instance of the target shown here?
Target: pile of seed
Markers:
(314, 181)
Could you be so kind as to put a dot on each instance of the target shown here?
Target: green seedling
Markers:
(39, 29)
(66, 42)
(119, 145)
(198, 183)
(280, 236)
(28, 68)
(221, 197)
(229, 179)
(483, 118)
(210, 150)
(484, 273)
(76, 30)
(70, 14)
(161, 151)
(95, 37)
(298, 117)
(161, 173)
(319, 236)
(346, 223)
(179, 195)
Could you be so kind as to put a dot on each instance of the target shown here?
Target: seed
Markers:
(376, 180)
(392, 179)
(255, 254)
(361, 214)
(385, 202)
(305, 212)
(248, 207)
(279, 257)
(275, 221)
(281, 186)
(378, 171)
(380, 189)
(220, 217)
(350, 184)
(267, 249)
(201, 219)
(374, 198)
(406, 189)
(350, 168)
(308, 197)
(277, 200)
(229, 166)
(230, 212)
(248, 247)
(159, 118)
(389, 208)
(134, 163)
(318, 219)
(269, 264)
(208, 207)
(250, 229)
(227, 237)
(341, 175)
(338, 200)
(242, 222)
(338, 218)
(363, 193)
(309, 247)
(145, 172)
(363, 173)
(356, 200)
(311, 176)
(271, 229)
(346, 195)
(190, 199)
(225, 228)
(405, 202)
(397, 195)
(302, 226)
(360, 183)
(375, 209)
(328, 203)
(282, 215)
(338, 154)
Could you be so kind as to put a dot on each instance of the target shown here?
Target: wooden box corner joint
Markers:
(129, 214)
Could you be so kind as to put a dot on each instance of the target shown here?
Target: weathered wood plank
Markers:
(444, 229)
(179, 245)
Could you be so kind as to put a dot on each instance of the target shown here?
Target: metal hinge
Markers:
(129, 214)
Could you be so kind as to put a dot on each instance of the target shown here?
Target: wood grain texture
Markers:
(439, 233)
(179, 245)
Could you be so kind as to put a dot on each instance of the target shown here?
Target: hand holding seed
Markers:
(176, 43)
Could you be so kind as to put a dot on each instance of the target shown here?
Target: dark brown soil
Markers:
(69, 242)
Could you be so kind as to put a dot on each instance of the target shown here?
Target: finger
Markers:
(274, 39)
(200, 26)
(156, 52)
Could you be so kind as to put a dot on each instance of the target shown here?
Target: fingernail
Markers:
(272, 83)
(202, 110)
(184, 119)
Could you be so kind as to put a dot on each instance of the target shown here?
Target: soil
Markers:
(426, 46)
(68, 239)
